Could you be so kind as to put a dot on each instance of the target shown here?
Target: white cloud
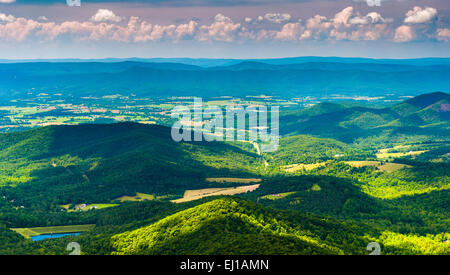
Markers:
(376, 32)
(370, 18)
(376, 18)
(419, 15)
(277, 17)
(104, 15)
(222, 18)
(343, 16)
(7, 1)
(346, 24)
(186, 31)
(316, 27)
(222, 29)
(290, 31)
(348, 17)
(443, 34)
(43, 18)
(6, 18)
(318, 22)
(404, 34)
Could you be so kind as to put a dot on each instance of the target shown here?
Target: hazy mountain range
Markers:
(279, 77)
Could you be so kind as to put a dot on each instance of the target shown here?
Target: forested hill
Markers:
(97, 163)
(315, 195)
(425, 115)
(235, 226)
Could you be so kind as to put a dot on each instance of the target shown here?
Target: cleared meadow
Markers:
(191, 195)
(277, 196)
(36, 231)
(232, 180)
(137, 197)
(385, 167)
(307, 167)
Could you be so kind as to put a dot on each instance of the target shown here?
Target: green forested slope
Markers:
(307, 149)
(421, 118)
(334, 208)
(96, 163)
(233, 226)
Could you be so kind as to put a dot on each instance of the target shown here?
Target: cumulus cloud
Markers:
(186, 31)
(370, 18)
(443, 34)
(7, 1)
(6, 18)
(222, 29)
(346, 24)
(343, 16)
(404, 34)
(277, 17)
(348, 17)
(290, 31)
(419, 15)
(104, 15)
(222, 18)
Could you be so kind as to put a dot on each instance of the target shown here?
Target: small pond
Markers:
(53, 236)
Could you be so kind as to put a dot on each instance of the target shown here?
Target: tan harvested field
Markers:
(391, 167)
(358, 163)
(191, 195)
(296, 167)
(386, 167)
(232, 180)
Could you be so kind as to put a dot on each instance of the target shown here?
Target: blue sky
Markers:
(224, 29)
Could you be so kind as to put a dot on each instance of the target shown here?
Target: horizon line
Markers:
(219, 58)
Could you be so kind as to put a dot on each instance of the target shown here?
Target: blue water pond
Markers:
(53, 236)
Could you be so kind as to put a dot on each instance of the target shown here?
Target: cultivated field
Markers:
(391, 167)
(191, 195)
(296, 167)
(386, 167)
(385, 154)
(232, 180)
(36, 231)
(358, 163)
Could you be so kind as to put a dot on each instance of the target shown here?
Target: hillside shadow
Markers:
(128, 158)
(326, 195)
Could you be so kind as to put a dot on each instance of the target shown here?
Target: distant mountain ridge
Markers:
(245, 78)
(424, 114)
(212, 62)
